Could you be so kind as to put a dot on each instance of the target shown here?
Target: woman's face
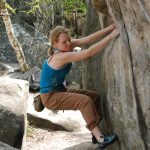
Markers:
(63, 43)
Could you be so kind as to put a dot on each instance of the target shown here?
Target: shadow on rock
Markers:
(83, 146)
(44, 124)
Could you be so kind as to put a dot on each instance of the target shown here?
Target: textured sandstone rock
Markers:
(13, 100)
(121, 74)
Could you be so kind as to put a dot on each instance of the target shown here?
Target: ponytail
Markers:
(51, 50)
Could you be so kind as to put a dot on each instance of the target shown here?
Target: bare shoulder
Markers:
(57, 60)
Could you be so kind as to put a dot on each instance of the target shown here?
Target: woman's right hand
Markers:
(114, 33)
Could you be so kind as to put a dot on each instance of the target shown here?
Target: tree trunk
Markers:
(53, 15)
(12, 39)
(62, 15)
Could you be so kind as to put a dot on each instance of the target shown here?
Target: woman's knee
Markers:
(87, 101)
(95, 96)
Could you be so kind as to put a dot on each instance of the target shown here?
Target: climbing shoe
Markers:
(108, 140)
(94, 140)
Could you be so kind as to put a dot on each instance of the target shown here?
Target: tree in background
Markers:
(73, 10)
(65, 12)
(12, 39)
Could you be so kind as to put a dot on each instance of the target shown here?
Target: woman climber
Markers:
(55, 95)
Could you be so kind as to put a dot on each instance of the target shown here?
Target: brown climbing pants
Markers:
(88, 102)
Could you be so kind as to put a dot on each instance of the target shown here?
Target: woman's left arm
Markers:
(92, 37)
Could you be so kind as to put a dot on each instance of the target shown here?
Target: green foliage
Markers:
(68, 5)
(30, 130)
(33, 5)
(37, 5)
(10, 8)
(74, 5)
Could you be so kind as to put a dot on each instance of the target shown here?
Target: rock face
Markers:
(122, 74)
(13, 100)
(34, 44)
(4, 146)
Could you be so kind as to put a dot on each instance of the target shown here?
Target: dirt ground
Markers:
(55, 140)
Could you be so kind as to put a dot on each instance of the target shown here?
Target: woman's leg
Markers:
(84, 103)
(73, 101)
(94, 97)
(96, 100)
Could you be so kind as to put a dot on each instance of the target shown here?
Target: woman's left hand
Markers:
(114, 33)
(112, 26)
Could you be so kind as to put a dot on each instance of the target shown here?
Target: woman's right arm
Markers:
(92, 37)
(91, 51)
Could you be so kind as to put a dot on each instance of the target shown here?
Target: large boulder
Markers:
(121, 74)
(4, 146)
(34, 43)
(13, 101)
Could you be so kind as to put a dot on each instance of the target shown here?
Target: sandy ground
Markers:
(55, 140)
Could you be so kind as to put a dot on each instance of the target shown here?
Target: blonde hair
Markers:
(54, 36)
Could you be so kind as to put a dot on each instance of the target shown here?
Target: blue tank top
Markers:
(52, 79)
